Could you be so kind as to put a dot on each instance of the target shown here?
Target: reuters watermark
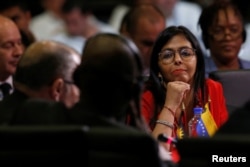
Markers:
(228, 159)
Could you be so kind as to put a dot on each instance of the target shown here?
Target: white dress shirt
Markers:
(78, 42)
(46, 25)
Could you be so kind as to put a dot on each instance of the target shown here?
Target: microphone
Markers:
(167, 139)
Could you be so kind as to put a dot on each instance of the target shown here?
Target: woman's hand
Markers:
(176, 92)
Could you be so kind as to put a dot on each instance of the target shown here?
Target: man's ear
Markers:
(56, 89)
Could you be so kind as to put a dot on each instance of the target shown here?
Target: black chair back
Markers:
(236, 87)
(77, 146)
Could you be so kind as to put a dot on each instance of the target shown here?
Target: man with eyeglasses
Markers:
(44, 72)
(223, 34)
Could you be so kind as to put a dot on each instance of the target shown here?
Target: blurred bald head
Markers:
(5, 21)
(148, 12)
(45, 61)
(45, 71)
(142, 24)
(11, 47)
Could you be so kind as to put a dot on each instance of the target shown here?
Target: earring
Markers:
(161, 79)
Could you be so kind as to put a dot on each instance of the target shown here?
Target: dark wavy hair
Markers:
(153, 84)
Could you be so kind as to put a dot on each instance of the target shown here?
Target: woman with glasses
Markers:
(177, 84)
(223, 34)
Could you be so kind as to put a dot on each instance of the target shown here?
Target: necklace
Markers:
(180, 133)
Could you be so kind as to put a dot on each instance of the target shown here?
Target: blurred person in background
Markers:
(11, 50)
(48, 23)
(19, 12)
(80, 24)
(121, 9)
(223, 34)
(142, 24)
(176, 12)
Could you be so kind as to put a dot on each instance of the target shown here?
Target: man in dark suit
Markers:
(44, 72)
(10, 52)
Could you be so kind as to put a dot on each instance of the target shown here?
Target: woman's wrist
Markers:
(167, 117)
(169, 110)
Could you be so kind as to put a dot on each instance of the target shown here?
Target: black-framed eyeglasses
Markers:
(167, 56)
(219, 33)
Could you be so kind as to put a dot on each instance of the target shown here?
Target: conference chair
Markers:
(236, 87)
(77, 146)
